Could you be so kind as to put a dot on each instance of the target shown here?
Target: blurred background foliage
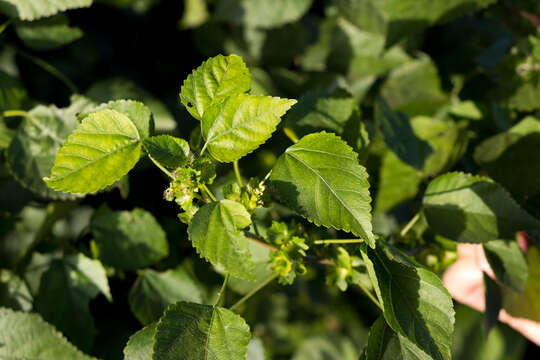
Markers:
(464, 71)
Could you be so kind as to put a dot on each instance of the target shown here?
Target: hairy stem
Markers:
(161, 167)
(222, 290)
(208, 192)
(253, 292)
(290, 134)
(338, 241)
(369, 295)
(14, 113)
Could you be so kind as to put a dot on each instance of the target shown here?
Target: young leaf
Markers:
(385, 343)
(139, 114)
(320, 178)
(139, 346)
(102, 149)
(47, 34)
(473, 209)
(27, 336)
(154, 291)
(216, 79)
(190, 331)
(240, 124)
(169, 151)
(66, 288)
(33, 149)
(216, 233)
(128, 240)
(416, 304)
(35, 9)
(507, 262)
(260, 13)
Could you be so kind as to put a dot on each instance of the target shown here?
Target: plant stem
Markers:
(237, 173)
(161, 167)
(208, 192)
(50, 69)
(338, 241)
(369, 295)
(14, 113)
(266, 177)
(5, 25)
(252, 292)
(410, 224)
(290, 134)
(222, 290)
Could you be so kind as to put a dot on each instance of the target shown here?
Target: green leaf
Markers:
(216, 233)
(69, 284)
(14, 293)
(154, 291)
(261, 13)
(6, 134)
(212, 82)
(139, 346)
(255, 349)
(414, 88)
(416, 304)
(507, 262)
(128, 240)
(102, 149)
(400, 137)
(195, 14)
(320, 178)
(385, 344)
(32, 151)
(511, 158)
(35, 9)
(333, 347)
(47, 34)
(13, 95)
(119, 88)
(169, 151)
(240, 124)
(190, 331)
(27, 336)
(526, 304)
(262, 269)
(137, 112)
(397, 182)
(473, 209)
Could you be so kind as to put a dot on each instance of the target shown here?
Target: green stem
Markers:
(369, 295)
(14, 113)
(161, 167)
(410, 224)
(338, 241)
(253, 292)
(50, 69)
(222, 290)
(237, 173)
(208, 192)
(5, 25)
(290, 134)
(266, 177)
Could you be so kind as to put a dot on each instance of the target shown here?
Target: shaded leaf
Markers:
(212, 82)
(240, 124)
(216, 233)
(195, 14)
(474, 209)
(205, 332)
(47, 34)
(139, 346)
(320, 178)
(154, 291)
(35, 9)
(14, 293)
(493, 302)
(169, 151)
(416, 304)
(66, 288)
(32, 151)
(13, 95)
(326, 348)
(27, 336)
(507, 262)
(102, 149)
(128, 240)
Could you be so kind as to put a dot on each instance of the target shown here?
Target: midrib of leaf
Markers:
(243, 124)
(327, 185)
(105, 155)
(208, 334)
